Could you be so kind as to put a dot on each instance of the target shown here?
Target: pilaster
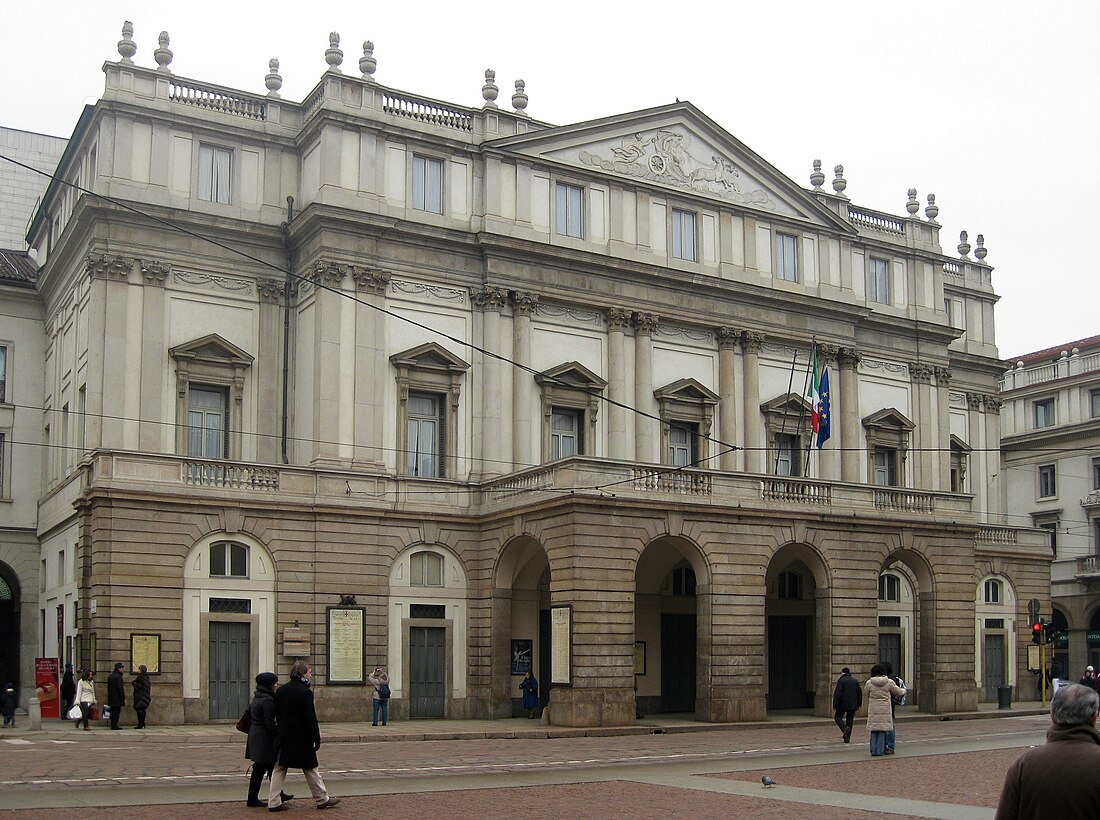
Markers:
(848, 359)
(525, 439)
(619, 444)
(647, 434)
(751, 342)
(728, 340)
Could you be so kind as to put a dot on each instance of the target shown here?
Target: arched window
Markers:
(426, 569)
(790, 586)
(5, 590)
(228, 560)
(993, 592)
(889, 587)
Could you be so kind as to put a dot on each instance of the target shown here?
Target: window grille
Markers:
(437, 612)
(233, 606)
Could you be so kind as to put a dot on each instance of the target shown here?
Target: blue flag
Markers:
(825, 414)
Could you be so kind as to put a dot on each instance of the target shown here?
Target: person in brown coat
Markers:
(1058, 779)
(880, 716)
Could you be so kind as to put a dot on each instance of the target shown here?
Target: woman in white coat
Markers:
(880, 718)
(85, 697)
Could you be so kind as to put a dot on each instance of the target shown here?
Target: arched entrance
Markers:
(897, 620)
(521, 624)
(917, 624)
(671, 628)
(10, 638)
(796, 633)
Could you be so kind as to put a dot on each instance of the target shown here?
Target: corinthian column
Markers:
(751, 343)
(924, 467)
(619, 445)
(524, 440)
(646, 432)
(992, 456)
(848, 402)
(943, 426)
(371, 366)
(728, 339)
(489, 300)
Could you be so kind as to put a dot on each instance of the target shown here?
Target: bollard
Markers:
(545, 719)
(34, 715)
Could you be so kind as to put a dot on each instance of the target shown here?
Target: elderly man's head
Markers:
(1074, 705)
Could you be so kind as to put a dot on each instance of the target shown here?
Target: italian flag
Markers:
(815, 396)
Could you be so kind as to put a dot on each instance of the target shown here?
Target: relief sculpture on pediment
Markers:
(672, 157)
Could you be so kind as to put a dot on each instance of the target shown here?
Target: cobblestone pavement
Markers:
(941, 769)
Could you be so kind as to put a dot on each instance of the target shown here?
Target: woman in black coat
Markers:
(143, 695)
(260, 747)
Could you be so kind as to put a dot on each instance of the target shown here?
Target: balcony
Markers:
(1088, 568)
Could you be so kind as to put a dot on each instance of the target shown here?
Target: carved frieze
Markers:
(586, 317)
(679, 332)
(155, 272)
(419, 289)
(229, 283)
(108, 266)
(672, 156)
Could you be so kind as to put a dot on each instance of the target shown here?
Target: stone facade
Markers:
(20, 188)
(1051, 444)
(525, 396)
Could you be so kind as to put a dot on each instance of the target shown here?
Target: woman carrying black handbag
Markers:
(262, 731)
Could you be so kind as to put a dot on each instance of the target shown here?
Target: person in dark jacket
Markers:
(530, 688)
(298, 739)
(68, 690)
(143, 694)
(116, 695)
(7, 705)
(262, 735)
(847, 698)
(1058, 779)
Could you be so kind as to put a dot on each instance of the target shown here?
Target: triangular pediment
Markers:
(958, 444)
(571, 373)
(687, 390)
(890, 418)
(429, 356)
(790, 404)
(678, 148)
(212, 348)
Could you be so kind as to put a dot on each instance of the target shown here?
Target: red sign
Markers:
(46, 687)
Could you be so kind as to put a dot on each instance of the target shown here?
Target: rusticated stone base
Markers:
(596, 706)
(734, 704)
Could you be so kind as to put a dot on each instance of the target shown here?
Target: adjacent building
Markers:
(1051, 443)
(381, 380)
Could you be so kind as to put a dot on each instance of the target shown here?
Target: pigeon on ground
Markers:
(767, 781)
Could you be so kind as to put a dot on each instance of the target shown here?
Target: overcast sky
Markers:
(989, 105)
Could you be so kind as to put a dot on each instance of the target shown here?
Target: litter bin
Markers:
(1004, 697)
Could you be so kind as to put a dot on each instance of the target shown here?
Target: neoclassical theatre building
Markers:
(376, 379)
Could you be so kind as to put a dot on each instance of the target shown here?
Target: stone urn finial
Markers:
(126, 46)
(817, 179)
(367, 64)
(519, 99)
(980, 249)
(840, 183)
(933, 210)
(489, 91)
(912, 206)
(333, 55)
(163, 54)
(273, 81)
(964, 246)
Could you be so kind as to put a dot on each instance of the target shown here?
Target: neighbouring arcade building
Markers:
(533, 396)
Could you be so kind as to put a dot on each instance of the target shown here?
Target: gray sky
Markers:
(985, 104)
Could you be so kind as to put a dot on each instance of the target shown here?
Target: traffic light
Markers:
(1037, 632)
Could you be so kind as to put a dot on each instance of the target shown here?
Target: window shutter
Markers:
(580, 433)
(442, 426)
(695, 445)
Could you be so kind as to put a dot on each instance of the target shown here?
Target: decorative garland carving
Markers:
(587, 317)
(224, 282)
(416, 288)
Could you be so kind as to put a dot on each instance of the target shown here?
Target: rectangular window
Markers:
(683, 235)
(786, 257)
(992, 591)
(878, 281)
(214, 171)
(683, 443)
(788, 455)
(3, 373)
(885, 466)
(1047, 485)
(1044, 413)
(427, 184)
(426, 569)
(61, 568)
(570, 210)
(424, 457)
(1096, 473)
(889, 588)
(1094, 403)
(207, 422)
(566, 433)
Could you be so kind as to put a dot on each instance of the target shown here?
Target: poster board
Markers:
(145, 650)
(561, 644)
(346, 645)
(523, 651)
(46, 686)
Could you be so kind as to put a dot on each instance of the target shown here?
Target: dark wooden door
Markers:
(787, 653)
(889, 651)
(229, 677)
(427, 672)
(677, 663)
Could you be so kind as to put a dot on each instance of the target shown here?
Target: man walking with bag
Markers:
(298, 740)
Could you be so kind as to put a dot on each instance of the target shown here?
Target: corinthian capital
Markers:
(618, 318)
(523, 302)
(920, 372)
(373, 281)
(489, 298)
(848, 358)
(329, 274)
(752, 341)
(646, 323)
(728, 337)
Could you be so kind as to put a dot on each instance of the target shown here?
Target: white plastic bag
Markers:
(106, 713)
(75, 713)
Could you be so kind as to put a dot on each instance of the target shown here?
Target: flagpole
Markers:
(810, 365)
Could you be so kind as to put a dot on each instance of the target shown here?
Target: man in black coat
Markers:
(298, 740)
(116, 695)
(847, 698)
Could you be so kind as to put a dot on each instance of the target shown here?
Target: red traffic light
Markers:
(1036, 633)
